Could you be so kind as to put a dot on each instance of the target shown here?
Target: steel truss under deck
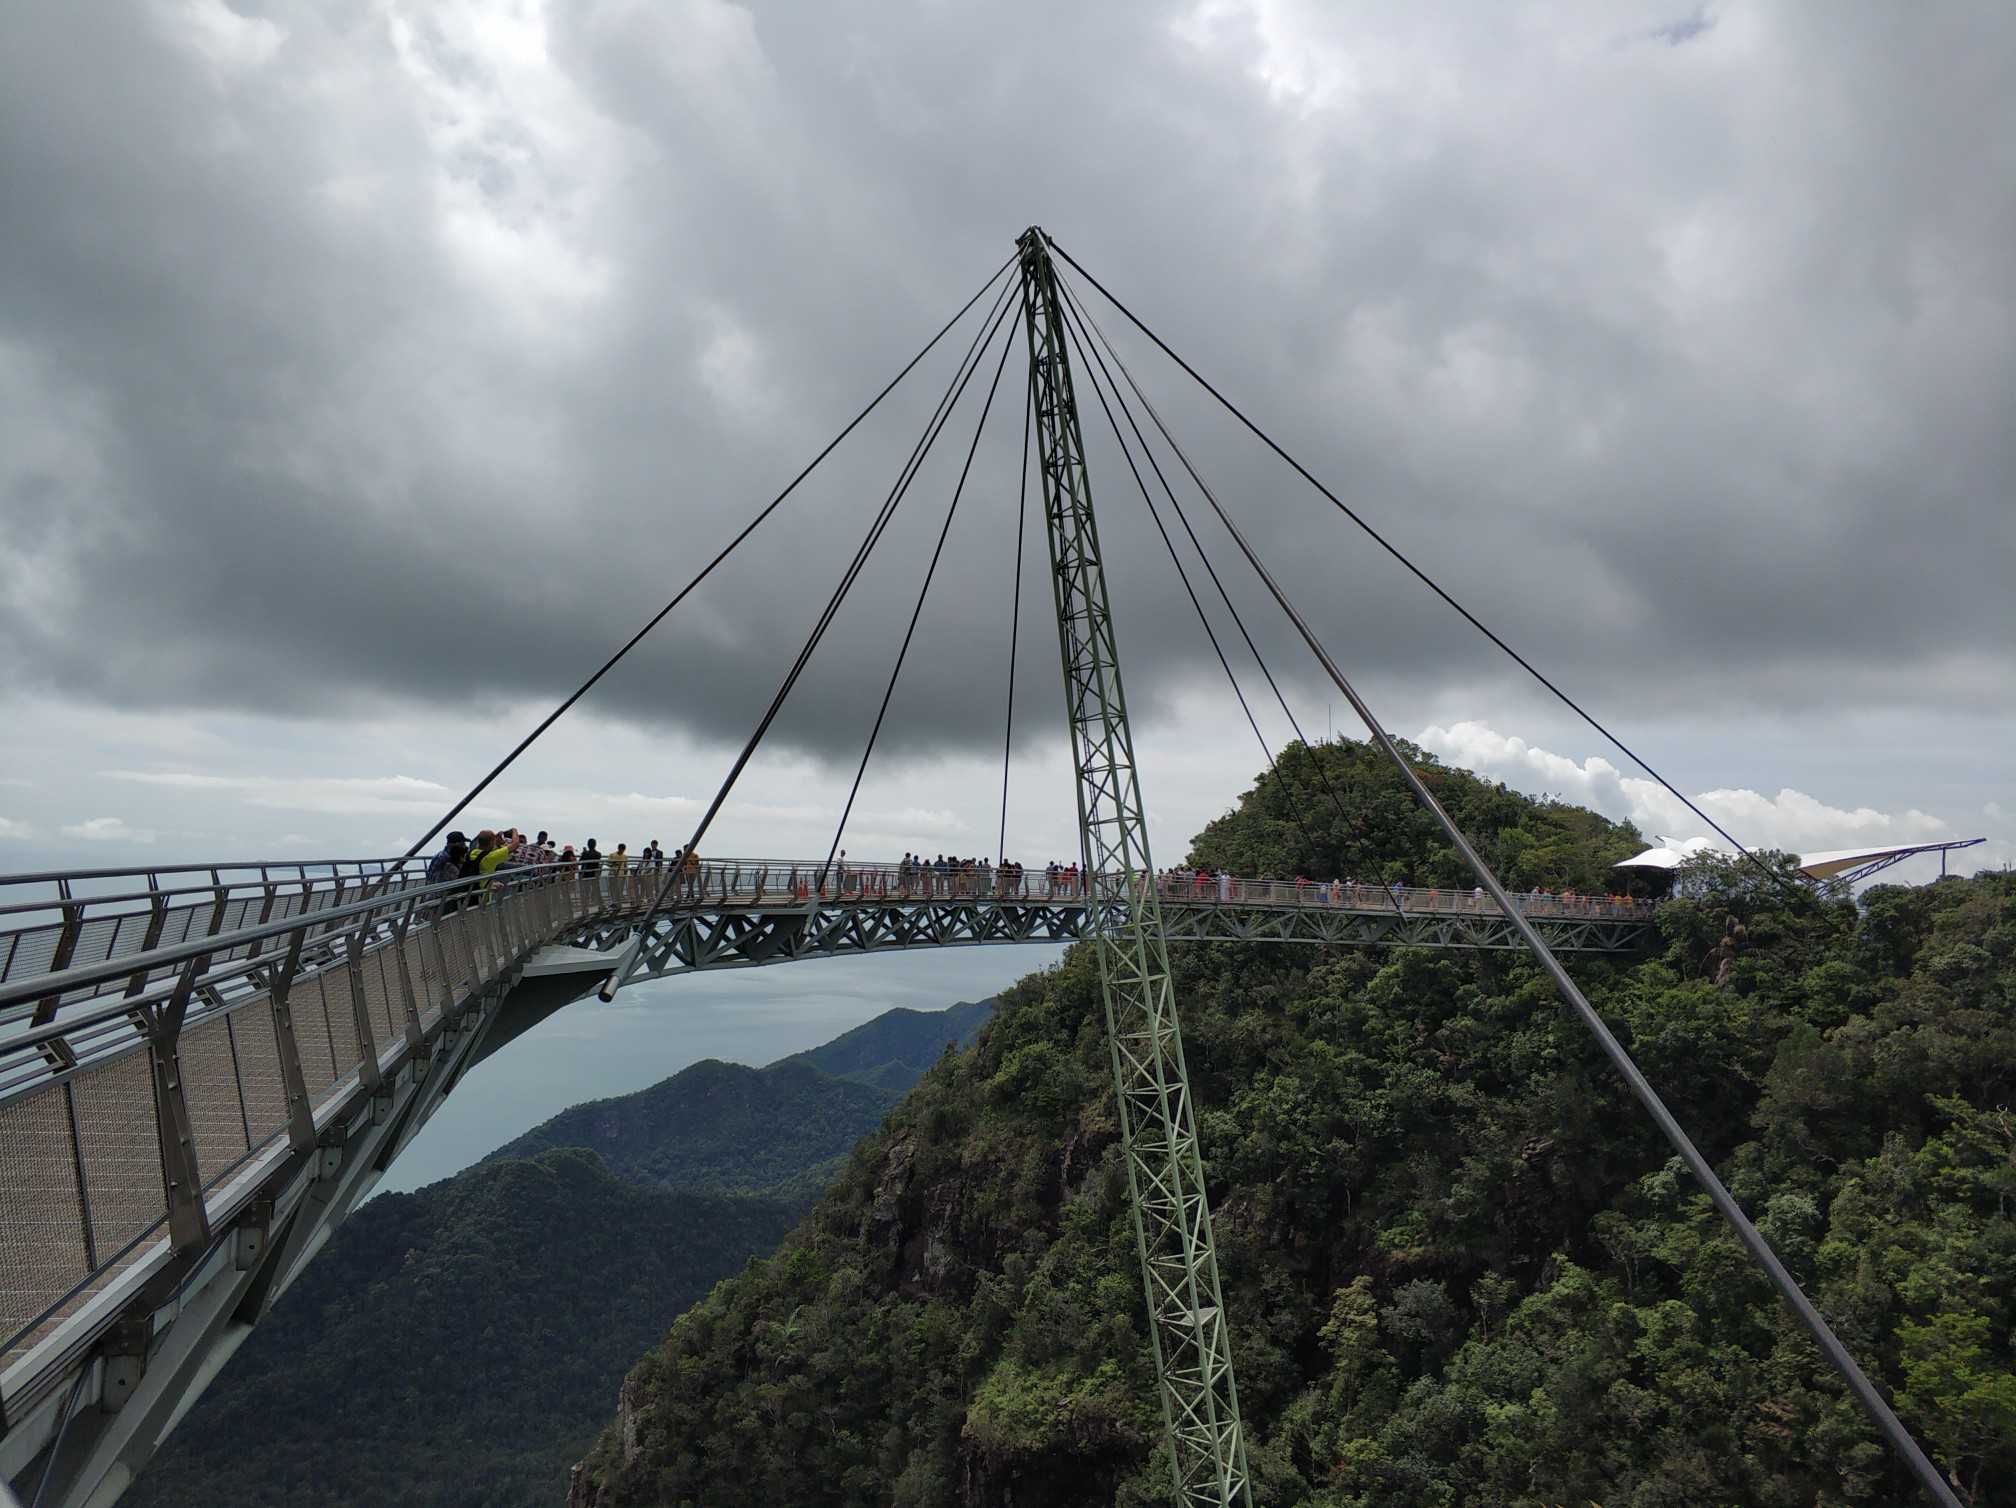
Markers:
(739, 935)
(1158, 1126)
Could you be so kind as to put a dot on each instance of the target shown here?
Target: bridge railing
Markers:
(131, 1109)
(779, 881)
(52, 922)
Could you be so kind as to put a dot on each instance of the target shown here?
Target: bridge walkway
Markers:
(203, 1070)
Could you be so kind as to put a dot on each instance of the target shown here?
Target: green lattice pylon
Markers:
(1165, 1177)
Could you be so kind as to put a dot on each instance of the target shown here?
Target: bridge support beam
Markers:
(1158, 1126)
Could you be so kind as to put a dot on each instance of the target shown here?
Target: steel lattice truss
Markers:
(740, 935)
(1172, 1222)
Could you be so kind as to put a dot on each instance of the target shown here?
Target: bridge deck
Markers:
(186, 1055)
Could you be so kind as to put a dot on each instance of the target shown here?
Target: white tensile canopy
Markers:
(1815, 866)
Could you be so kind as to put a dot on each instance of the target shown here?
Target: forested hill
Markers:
(780, 1131)
(1340, 810)
(1461, 1268)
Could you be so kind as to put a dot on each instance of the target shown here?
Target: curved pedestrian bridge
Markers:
(203, 1070)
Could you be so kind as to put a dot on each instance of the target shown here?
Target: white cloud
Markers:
(12, 829)
(109, 830)
(390, 793)
(229, 43)
(915, 818)
(1790, 820)
(638, 801)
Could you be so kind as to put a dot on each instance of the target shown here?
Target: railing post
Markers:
(467, 918)
(222, 903)
(83, 1182)
(434, 931)
(157, 917)
(368, 1071)
(416, 1037)
(66, 945)
(188, 1222)
(300, 1112)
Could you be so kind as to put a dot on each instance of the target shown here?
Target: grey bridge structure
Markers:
(203, 1071)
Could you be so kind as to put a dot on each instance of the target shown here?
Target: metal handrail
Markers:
(66, 981)
(53, 876)
(891, 881)
(42, 986)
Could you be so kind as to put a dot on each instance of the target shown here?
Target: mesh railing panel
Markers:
(122, 1150)
(96, 939)
(380, 997)
(181, 924)
(453, 930)
(33, 951)
(342, 1017)
(489, 945)
(42, 1252)
(210, 1086)
(432, 984)
(259, 1070)
(311, 1033)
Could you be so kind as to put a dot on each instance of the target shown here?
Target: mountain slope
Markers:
(896, 1047)
(449, 1348)
(1460, 1267)
(722, 1126)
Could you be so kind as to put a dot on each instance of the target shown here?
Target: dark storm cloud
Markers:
(347, 356)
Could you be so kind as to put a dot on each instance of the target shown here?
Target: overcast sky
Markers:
(367, 373)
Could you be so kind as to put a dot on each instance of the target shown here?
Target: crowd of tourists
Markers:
(493, 851)
(948, 876)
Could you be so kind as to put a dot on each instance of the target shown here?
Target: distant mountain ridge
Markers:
(722, 1127)
(897, 1047)
(779, 1131)
(458, 1346)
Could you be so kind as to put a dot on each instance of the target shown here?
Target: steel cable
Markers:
(917, 612)
(946, 404)
(637, 638)
(1092, 377)
(1391, 549)
(1096, 368)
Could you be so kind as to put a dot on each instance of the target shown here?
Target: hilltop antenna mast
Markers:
(1158, 1126)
